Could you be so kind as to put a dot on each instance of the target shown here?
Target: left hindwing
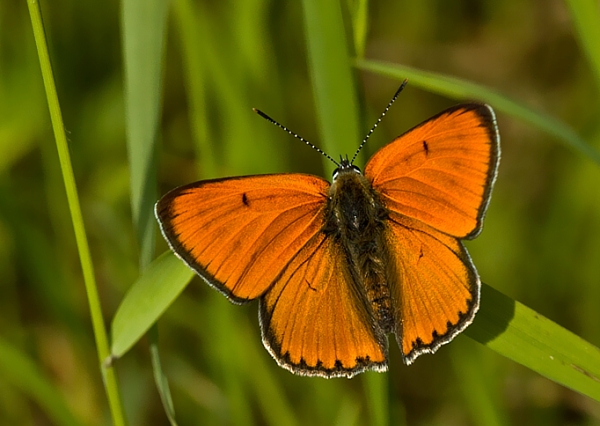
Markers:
(314, 319)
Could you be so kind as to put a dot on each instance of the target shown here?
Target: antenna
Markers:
(266, 117)
(379, 119)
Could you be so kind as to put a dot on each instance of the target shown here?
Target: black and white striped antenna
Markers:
(319, 150)
(379, 120)
(297, 136)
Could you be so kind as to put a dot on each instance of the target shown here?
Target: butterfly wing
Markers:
(441, 172)
(437, 292)
(261, 236)
(239, 233)
(436, 180)
(314, 319)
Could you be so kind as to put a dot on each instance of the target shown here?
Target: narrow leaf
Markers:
(521, 334)
(146, 300)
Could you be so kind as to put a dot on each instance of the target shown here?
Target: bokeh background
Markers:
(540, 244)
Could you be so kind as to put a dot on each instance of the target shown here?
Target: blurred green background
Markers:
(540, 244)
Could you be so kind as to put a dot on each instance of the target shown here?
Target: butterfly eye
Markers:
(345, 168)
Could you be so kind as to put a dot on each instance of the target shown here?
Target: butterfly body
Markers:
(336, 267)
(356, 220)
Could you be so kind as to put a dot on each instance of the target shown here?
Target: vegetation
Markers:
(155, 94)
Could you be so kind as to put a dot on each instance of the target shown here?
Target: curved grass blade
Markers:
(160, 378)
(461, 89)
(146, 300)
(521, 334)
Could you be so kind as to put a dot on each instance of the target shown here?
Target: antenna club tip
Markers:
(262, 114)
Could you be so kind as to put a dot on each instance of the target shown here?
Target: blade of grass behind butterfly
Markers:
(461, 89)
(332, 78)
(338, 115)
(359, 11)
(101, 338)
(144, 33)
(269, 393)
(193, 54)
(203, 41)
(586, 20)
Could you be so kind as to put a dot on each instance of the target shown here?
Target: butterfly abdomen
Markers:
(356, 219)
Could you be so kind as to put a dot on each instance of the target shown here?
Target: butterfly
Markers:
(337, 267)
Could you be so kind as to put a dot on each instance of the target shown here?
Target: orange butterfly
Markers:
(336, 267)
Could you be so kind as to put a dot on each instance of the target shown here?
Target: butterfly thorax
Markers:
(355, 218)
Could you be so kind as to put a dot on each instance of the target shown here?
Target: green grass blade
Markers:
(20, 371)
(521, 334)
(144, 31)
(110, 380)
(146, 300)
(359, 9)
(586, 19)
(376, 389)
(160, 378)
(332, 78)
(186, 22)
(460, 89)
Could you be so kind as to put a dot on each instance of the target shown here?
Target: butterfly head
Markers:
(345, 167)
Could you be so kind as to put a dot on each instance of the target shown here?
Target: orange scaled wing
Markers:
(437, 294)
(441, 172)
(314, 320)
(239, 233)
(436, 181)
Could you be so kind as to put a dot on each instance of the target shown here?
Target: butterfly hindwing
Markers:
(437, 294)
(239, 233)
(314, 320)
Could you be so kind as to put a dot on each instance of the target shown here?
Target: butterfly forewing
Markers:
(441, 171)
(239, 233)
